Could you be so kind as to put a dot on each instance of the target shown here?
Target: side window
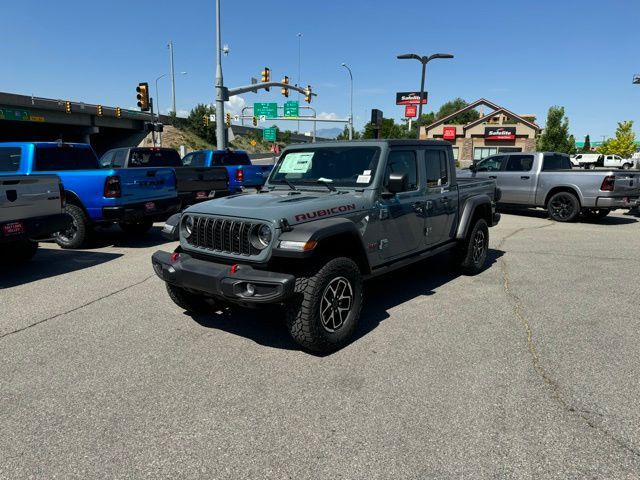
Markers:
(556, 162)
(198, 159)
(186, 161)
(118, 158)
(490, 164)
(436, 167)
(401, 161)
(105, 161)
(519, 163)
(9, 159)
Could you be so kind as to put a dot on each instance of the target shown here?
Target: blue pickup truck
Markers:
(242, 174)
(133, 198)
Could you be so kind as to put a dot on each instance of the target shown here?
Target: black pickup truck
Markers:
(194, 184)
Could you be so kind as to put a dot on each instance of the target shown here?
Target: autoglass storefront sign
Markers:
(410, 98)
(500, 133)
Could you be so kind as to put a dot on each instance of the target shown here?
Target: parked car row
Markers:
(132, 187)
(593, 160)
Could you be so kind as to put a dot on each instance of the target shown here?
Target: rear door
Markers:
(441, 198)
(516, 179)
(402, 231)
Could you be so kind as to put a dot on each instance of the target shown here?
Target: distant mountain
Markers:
(328, 132)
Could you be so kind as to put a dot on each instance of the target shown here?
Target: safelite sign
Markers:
(449, 133)
(500, 133)
(410, 98)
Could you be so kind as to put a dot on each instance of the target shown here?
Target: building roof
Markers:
(482, 101)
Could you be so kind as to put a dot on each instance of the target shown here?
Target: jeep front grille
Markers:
(223, 235)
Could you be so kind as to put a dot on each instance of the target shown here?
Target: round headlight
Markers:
(188, 225)
(261, 237)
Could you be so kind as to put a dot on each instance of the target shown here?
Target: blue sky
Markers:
(525, 56)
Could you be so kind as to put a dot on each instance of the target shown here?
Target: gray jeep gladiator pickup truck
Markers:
(330, 216)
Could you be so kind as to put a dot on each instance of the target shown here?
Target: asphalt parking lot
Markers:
(529, 370)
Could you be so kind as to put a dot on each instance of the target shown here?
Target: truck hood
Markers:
(296, 206)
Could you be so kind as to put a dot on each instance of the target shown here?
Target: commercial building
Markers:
(499, 131)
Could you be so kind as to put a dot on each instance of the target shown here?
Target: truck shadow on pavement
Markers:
(49, 263)
(543, 215)
(114, 237)
(266, 326)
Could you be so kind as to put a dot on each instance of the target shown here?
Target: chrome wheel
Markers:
(478, 247)
(336, 303)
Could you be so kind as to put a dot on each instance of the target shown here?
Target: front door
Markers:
(401, 218)
(441, 207)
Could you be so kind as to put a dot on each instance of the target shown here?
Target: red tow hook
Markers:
(174, 257)
(234, 268)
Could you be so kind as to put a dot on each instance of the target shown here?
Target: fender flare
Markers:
(470, 207)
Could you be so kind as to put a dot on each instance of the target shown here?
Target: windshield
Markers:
(142, 157)
(340, 166)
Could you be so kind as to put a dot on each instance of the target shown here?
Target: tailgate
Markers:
(205, 179)
(23, 197)
(141, 184)
(627, 184)
(255, 175)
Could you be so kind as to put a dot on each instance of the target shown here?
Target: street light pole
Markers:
(299, 58)
(157, 97)
(221, 139)
(423, 60)
(173, 75)
(351, 102)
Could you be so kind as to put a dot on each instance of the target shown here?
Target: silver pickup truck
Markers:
(546, 180)
(31, 208)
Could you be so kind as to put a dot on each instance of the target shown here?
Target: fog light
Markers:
(251, 289)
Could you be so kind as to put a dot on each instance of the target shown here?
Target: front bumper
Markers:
(37, 227)
(136, 212)
(617, 202)
(495, 219)
(222, 281)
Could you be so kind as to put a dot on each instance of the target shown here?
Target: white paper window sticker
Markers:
(297, 162)
(366, 172)
(363, 179)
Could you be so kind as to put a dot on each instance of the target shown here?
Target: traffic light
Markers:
(143, 96)
(307, 94)
(118, 112)
(205, 120)
(285, 90)
(67, 106)
(99, 110)
(255, 121)
(266, 76)
(228, 119)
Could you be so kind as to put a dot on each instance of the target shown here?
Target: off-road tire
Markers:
(303, 311)
(595, 213)
(138, 228)
(191, 302)
(563, 207)
(19, 252)
(78, 234)
(472, 252)
(626, 166)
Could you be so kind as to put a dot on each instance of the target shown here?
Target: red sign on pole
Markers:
(410, 111)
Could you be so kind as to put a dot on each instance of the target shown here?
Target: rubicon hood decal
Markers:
(301, 217)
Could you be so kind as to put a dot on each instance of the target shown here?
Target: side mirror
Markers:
(398, 182)
(472, 167)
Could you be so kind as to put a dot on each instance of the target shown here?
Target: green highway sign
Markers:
(16, 115)
(291, 109)
(269, 110)
(269, 134)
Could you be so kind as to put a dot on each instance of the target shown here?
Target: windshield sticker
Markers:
(296, 162)
(322, 179)
(363, 179)
(367, 172)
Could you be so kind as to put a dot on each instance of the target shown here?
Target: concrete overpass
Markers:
(26, 118)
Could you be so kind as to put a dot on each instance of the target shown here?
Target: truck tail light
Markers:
(112, 187)
(239, 175)
(608, 183)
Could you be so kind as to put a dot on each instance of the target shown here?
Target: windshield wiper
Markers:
(286, 182)
(322, 182)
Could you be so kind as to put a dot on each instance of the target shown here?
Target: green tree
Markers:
(453, 106)
(389, 129)
(572, 141)
(555, 136)
(195, 122)
(623, 144)
(587, 144)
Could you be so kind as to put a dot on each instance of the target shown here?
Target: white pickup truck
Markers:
(593, 160)
(547, 180)
(31, 208)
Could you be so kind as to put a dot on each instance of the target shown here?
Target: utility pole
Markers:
(173, 75)
(221, 139)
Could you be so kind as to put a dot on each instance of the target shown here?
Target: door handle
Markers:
(492, 176)
(525, 177)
